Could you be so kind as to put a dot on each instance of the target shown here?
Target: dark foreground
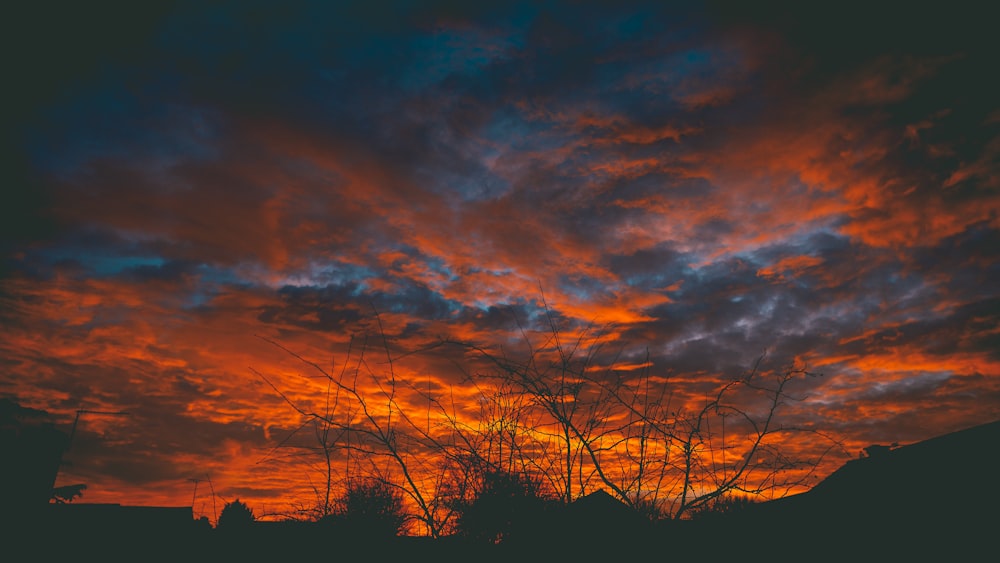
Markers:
(861, 536)
(932, 501)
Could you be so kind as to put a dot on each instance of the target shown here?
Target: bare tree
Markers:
(732, 444)
(328, 438)
(633, 436)
(568, 413)
(370, 507)
(558, 411)
(373, 427)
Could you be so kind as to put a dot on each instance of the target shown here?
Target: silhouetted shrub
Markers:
(368, 508)
(235, 516)
(727, 505)
(506, 507)
(202, 524)
(649, 509)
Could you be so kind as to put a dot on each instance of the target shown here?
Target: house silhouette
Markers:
(31, 450)
(601, 512)
(932, 500)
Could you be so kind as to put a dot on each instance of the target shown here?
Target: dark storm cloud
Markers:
(315, 308)
(659, 266)
(743, 307)
(503, 319)
(170, 438)
(965, 328)
(963, 261)
(337, 307)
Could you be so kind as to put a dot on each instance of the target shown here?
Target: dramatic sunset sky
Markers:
(706, 183)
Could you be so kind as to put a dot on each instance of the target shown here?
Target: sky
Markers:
(188, 183)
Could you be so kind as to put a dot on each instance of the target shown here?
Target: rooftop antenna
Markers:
(76, 421)
(195, 494)
(215, 512)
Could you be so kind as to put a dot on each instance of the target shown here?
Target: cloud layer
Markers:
(705, 183)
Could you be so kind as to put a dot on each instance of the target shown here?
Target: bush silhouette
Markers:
(368, 508)
(236, 516)
(727, 505)
(507, 507)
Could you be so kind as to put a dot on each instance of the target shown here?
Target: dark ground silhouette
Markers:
(933, 500)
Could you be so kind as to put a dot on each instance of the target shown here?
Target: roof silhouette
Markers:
(600, 514)
(601, 502)
(910, 471)
(932, 500)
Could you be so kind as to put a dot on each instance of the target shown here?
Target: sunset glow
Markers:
(206, 199)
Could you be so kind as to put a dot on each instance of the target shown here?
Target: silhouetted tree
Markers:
(599, 427)
(202, 524)
(375, 425)
(506, 507)
(560, 410)
(568, 407)
(235, 515)
(370, 507)
(329, 436)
